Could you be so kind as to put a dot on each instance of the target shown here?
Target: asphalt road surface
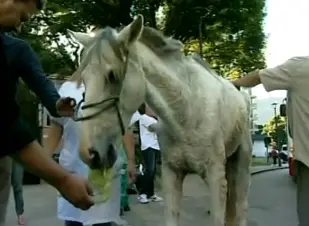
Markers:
(272, 202)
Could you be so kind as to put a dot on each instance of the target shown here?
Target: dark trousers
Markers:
(17, 184)
(275, 160)
(302, 173)
(75, 223)
(150, 159)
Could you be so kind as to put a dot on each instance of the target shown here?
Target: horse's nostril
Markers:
(111, 156)
(95, 158)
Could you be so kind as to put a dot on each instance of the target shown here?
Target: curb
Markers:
(268, 170)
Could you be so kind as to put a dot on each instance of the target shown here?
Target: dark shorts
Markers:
(18, 136)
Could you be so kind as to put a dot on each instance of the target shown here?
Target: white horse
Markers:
(203, 119)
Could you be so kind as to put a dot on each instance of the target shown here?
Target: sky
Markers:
(286, 26)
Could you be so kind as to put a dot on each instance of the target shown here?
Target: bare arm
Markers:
(282, 77)
(250, 80)
(129, 145)
(54, 140)
(39, 163)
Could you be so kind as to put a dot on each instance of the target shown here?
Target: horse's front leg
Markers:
(218, 189)
(172, 186)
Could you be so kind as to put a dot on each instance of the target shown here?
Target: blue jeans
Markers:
(17, 184)
(150, 160)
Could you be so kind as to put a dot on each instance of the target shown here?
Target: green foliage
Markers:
(279, 136)
(259, 161)
(232, 32)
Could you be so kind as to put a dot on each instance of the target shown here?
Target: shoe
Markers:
(155, 198)
(21, 220)
(143, 199)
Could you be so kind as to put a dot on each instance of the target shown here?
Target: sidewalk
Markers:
(261, 169)
(40, 206)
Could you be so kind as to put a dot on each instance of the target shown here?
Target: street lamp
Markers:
(276, 132)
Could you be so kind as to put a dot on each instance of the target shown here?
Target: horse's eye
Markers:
(111, 77)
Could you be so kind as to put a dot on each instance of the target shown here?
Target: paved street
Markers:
(272, 203)
(272, 200)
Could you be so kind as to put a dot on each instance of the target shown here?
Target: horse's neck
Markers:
(166, 94)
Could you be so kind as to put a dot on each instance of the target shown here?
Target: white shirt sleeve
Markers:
(135, 117)
(63, 91)
(146, 121)
(281, 77)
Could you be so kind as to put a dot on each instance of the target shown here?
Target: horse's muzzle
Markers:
(105, 162)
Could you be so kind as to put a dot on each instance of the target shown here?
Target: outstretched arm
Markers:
(250, 80)
(281, 77)
(33, 75)
(54, 137)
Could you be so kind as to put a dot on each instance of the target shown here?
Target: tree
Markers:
(270, 130)
(231, 31)
(232, 36)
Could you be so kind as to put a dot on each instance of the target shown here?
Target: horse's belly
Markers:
(186, 159)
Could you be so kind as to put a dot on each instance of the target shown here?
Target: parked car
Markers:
(284, 153)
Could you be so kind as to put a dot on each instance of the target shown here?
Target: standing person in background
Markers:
(129, 159)
(17, 185)
(150, 149)
(64, 135)
(274, 153)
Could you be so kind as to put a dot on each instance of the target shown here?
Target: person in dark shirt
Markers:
(17, 60)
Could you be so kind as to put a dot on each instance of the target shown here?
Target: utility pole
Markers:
(276, 133)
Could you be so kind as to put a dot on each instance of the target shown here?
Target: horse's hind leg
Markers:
(237, 203)
(172, 186)
(231, 171)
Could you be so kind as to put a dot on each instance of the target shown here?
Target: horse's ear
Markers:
(82, 38)
(132, 32)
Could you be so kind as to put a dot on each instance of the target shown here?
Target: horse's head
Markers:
(115, 88)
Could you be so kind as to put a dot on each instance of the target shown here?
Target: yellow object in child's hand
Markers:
(101, 180)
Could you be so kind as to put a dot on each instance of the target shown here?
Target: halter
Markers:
(112, 102)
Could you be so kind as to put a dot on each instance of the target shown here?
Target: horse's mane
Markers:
(155, 40)
(150, 37)
(160, 44)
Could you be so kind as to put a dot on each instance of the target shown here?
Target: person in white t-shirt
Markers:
(150, 150)
(63, 136)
